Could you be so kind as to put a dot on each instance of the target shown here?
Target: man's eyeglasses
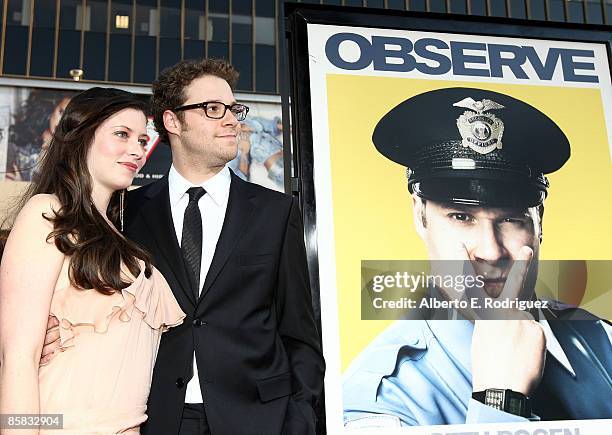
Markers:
(217, 109)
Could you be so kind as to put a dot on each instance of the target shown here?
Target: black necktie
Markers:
(191, 241)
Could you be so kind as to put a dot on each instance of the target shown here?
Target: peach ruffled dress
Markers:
(100, 379)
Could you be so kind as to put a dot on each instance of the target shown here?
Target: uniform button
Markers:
(198, 322)
(180, 382)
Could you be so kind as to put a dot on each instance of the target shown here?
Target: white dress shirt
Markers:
(212, 208)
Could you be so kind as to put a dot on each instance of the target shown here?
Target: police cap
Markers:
(472, 146)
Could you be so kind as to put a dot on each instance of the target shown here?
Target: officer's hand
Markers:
(52, 341)
(508, 354)
(513, 287)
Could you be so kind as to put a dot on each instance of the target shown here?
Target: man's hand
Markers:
(52, 341)
(508, 354)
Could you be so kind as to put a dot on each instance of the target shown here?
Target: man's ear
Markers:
(171, 122)
(418, 216)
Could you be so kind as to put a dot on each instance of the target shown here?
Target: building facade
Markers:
(46, 45)
(130, 41)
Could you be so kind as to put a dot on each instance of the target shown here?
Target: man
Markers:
(476, 163)
(247, 358)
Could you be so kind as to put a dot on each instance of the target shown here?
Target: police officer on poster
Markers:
(476, 163)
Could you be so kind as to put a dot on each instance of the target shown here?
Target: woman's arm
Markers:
(28, 275)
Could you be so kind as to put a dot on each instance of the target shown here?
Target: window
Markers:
(556, 10)
(145, 41)
(265, 46)
(575, 13)
(437, 6)
(242, 38)
(95, 39)
(195, 29)
(120, 41)
(218, 29)
(458, 7)
(497, 8)
(537, 10)
(69, 38)
(593, 12)
(43, 39)
(417, 5)
(170, 33)
(16, 40)
(517, 9)
(376, 4)
(396, 4)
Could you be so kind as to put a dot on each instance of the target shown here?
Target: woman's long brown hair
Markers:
(97, 251)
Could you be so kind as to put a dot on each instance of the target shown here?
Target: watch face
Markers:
(515, 406)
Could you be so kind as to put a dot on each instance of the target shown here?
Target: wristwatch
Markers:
(509, 401)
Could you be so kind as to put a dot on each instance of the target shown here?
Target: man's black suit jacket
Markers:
(257, 348)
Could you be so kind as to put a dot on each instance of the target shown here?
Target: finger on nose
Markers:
(518, 271)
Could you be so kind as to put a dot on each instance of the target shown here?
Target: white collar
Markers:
(217, 187)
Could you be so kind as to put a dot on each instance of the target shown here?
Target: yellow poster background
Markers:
(372, 206)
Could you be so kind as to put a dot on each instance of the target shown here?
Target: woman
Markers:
(66, 257)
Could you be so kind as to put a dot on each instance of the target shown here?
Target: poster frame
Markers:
(299, 16)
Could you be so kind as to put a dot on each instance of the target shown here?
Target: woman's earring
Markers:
(121, 205)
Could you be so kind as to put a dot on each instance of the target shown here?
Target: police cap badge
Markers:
(473, 156)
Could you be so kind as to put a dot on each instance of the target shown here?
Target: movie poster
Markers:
(365, 221)
(28, 118)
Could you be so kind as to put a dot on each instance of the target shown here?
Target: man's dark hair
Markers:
(169, 88)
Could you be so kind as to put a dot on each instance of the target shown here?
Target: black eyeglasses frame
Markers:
(227, 107)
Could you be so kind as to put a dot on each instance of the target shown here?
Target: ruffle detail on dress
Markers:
(158, 307)
(150, 298)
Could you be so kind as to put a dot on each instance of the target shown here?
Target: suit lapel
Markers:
(240, 206)
(158, 217)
